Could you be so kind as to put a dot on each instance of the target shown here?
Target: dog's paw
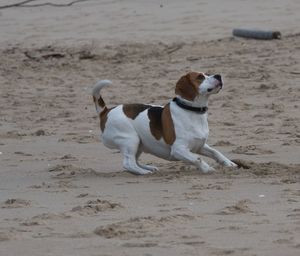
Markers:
(139, 172)
(230, 164)
(150, 168)
(205, 168)
(209, 170)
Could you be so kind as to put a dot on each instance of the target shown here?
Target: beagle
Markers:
(176, 131)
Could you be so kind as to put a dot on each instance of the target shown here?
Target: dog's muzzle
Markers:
(219, 79)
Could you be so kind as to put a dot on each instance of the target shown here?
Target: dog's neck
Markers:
(200, 101)
(199, 105)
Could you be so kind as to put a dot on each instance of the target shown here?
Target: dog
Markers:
(177, 131)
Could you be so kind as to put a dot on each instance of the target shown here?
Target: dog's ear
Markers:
(187, 85)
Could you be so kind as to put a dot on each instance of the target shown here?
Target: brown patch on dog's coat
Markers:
(103, 114)
(187, 85)
(168, 126)
(133, 110)
(103, 118)
(161, 124)
(155, 114)
(100, 101)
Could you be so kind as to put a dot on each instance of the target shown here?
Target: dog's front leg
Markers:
(182, 152)
(216, 155)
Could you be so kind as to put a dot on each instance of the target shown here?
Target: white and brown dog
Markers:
(176, 131)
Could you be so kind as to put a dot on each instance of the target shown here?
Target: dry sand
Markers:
(63, 193)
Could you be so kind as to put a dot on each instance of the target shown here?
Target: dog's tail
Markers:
(98, 100)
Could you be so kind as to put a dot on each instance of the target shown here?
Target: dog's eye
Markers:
(207, 74)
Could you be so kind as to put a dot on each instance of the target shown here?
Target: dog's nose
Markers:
(218, 77)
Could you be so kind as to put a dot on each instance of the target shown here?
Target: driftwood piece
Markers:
(257, 34)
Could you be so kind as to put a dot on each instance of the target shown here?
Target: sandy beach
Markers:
(63, 193)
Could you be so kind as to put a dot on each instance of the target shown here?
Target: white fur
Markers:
(132, 137)
(96, 92)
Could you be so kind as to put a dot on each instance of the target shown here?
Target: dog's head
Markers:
(193, 84)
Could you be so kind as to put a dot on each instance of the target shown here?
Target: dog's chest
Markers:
(197, 134)
(190, 127)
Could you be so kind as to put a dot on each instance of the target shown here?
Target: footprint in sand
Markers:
(239, 207)
(51, 216)
(139, 227)
(295, 215)
(69, 171)
(6, 236)
(251, 150)
(223, 143)
(15, 203)
(140, 245)
(93, 207)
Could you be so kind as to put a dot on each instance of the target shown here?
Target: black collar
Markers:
(180, 103)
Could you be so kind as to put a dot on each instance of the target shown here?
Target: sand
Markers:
(63, 193)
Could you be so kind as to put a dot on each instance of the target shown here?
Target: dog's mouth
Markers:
(217, 88)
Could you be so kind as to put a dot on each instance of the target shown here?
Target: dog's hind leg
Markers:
(129, 150)
(145, 166)
(130, 164)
